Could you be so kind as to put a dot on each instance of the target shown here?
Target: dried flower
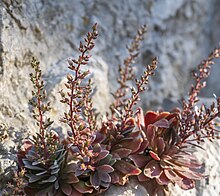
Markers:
(198, 124)
(126, 72)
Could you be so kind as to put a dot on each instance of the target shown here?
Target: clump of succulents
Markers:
(156, 147)
(42, 157)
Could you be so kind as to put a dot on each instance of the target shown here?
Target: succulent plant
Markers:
(92, 160)
(42, 174)
(165, 159)
(156, 147)
(121, 141)
(94, 168)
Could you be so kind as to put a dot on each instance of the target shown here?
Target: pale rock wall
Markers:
(181, 33)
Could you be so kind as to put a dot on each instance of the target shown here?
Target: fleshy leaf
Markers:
(119, 178)
(66, 188)
(71, 178)
(160, 145)
(82, 188)
(140, 160)
(105, 168)
(186, 183)
(95, 179)
(102, 155)
(152, 169)
(33, 178)
(143, 146)
(150, 132)
(122, 152)
(154, 155)
(106, 160)
(50, 179)
(135, 134)
(105, 177)
(70, 168)
(150, 117)
(75, 193)
(162, 115)
(28, 165)
(114, 178)
(129, 143)
(164, 123)
(126, 168)
(163, 180)
(99, 138)
(142, 178)
(170, 174)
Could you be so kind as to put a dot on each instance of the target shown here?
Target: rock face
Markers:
(181, 33)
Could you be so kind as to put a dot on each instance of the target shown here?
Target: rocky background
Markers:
(181, 33)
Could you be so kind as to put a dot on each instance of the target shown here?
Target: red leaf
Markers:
(70, 168)
(162, 115)
(143, 146)
(186, 183)
(170, 174)
(142, 178)
(152, 169)
(102, 155)
(126, 168)
(119, 178)
(140, 160)
(150, 132)
(190, 174)
(135, 134)
(99, 138)
(160, 145)
(122, 152)
(105, 168)
(114, 177)
(66, 188)
(163, 180)
(71, 178)
(187, 162)
(75, 193)
(171, 116)
(129, 143)
(82, 188)
(150, 117)
(154, 155)
(164, 123)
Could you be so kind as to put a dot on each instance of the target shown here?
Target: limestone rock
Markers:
(133, 188)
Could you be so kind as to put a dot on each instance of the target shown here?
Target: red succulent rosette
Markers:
(165, 159)
(122, 140)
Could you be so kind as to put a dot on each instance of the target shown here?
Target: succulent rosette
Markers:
(92, 165)
(121, 140)
(165, 159)
(41, 168)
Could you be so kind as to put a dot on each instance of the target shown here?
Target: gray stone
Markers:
(133, 188)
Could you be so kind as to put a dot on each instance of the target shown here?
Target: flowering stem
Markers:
(41, 126)
(74, 82)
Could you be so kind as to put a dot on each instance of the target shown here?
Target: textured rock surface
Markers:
(181, 33)
(131, 189)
